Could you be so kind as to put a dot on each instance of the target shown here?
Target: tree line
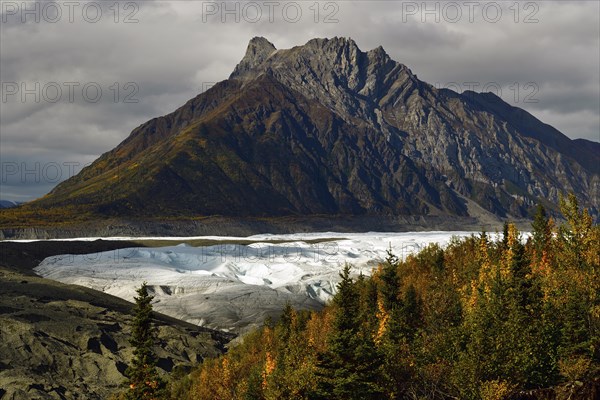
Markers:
(478, 319)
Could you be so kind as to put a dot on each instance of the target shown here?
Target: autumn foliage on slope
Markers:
(480, 319)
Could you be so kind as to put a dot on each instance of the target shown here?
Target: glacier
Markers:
(234, 287)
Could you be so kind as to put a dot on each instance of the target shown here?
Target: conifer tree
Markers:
(390, 283)
(349, 369)
(540, 227)
(505, 227)
(576, 293)
(144, 381)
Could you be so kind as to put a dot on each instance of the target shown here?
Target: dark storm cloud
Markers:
(172, 50)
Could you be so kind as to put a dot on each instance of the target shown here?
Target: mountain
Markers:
(327, 129)
(8, 203)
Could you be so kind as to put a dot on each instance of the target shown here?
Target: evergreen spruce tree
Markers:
(578, 290)
(390, 287)
(542, 234)
(540, 225)
(505, 235)
(144, 381)
(349, 369)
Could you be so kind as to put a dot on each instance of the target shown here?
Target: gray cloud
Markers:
(174, 51)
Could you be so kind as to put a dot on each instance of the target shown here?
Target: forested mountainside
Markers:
(479, 319)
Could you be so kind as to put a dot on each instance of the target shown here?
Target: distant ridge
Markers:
(9, 203)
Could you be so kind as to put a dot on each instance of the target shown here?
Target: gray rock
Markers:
(65, 342)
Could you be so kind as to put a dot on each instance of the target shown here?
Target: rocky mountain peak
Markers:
(378, 54)
(334, 45)
(334, 71)
(344, 53)
(339, 55)
(258, 50)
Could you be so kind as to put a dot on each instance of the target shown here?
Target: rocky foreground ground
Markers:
(62, 341)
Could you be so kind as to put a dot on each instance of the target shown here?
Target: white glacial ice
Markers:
(233, 287)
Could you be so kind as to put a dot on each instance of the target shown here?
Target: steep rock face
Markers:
(473, 139)
(325, 128)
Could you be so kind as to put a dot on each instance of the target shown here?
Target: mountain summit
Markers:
(259, 49)
(327, 129)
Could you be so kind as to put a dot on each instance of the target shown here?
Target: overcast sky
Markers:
(147, 58)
